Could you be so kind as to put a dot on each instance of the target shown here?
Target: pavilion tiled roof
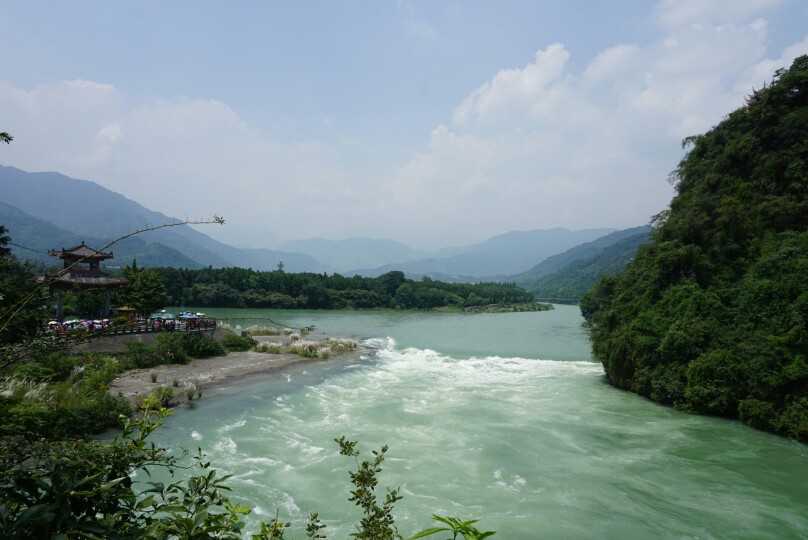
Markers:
(80, 252)
(83, 282)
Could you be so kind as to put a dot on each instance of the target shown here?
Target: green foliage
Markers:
(89, 489)
(83, 489)
(458, 528)
(171, 348)
(712, 316)
(164, 395)
(142, 355)
(232, 342)
(145, 292)
(68, 398)
(377, 521)
(83, 304)
(202, 346)
(573, 280)
(17, 290)
(238, 287)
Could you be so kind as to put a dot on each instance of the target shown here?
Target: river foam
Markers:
(534, 447)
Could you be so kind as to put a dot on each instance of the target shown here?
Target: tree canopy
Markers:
(711, 315)
(17, 285)
(145, 292)
(240, 287)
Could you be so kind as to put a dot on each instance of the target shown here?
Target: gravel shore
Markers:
(215, 375)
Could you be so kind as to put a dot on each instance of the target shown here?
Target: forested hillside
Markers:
(711, 316)
(572, 281)
(570, 274)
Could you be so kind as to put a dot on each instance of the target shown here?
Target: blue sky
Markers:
(429, 122)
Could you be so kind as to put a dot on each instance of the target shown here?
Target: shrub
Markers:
(340, 345)
(33, 372)
(270, 347)
(233, 342)
(170, 347)
(60, 364)
(78, 406)
(262, 331)
(99, 372)
(163, 394)
(306, 349)
(141, 355)
(201, 346)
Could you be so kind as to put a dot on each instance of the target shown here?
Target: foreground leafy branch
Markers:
(86, 489)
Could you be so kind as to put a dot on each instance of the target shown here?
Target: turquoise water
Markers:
(500, 417)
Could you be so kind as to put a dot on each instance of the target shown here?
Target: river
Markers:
(498, 417)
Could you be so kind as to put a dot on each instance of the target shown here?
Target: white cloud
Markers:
(81, 109)
(185, 158)
(680, 13)
(542, 145)
(755, 75)
(512, 92)
(612, 63)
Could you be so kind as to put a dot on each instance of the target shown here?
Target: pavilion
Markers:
(82, 271)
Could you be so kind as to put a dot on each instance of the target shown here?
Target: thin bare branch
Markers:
(10, 313)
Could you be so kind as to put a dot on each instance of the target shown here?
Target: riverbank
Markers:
(213, 376)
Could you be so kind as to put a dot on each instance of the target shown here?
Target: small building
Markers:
(126, 311)
(81, 271)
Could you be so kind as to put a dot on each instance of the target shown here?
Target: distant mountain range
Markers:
(349, 254)
(500, 255)
(48, 210)
(92, 213)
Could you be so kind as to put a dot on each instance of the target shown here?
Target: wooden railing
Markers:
(149, 326)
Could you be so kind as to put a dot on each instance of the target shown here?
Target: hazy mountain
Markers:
(579, 252)
(504, 254)
(351, 253)
(267, 259)
(90, 211)
(41, 237)
(466, 267)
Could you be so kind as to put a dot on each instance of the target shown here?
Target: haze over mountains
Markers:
(48, 210)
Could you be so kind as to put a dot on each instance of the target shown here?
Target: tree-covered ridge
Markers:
(711, 316)
(573, 280)
(239, 287)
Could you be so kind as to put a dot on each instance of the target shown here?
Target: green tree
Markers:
(17, 288)
(712, 315)
(145, 292)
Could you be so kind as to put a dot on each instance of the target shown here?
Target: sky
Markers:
(429, 122)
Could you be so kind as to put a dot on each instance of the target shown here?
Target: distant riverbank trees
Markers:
(240, 287)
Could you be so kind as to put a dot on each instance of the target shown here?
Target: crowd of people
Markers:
(91, 325)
